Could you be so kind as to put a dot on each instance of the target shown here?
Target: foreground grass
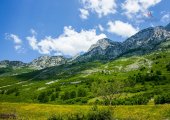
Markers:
(26, 111)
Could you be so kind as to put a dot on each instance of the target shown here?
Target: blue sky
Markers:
(31, 28)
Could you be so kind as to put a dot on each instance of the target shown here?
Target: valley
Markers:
(132, 77)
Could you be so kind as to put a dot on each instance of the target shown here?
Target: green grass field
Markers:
(29, 111)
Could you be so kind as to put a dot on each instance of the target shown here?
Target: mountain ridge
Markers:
(144, 41)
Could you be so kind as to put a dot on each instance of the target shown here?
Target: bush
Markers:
(72, 94)
(81, 92)
(82, 100)
(162, 99)
(158, 72)
(168, 67)
(12, 90)
(153, 76)
(43, 97)
(96, 114)
(53, 97)
(65, 95)
(55, 117)
(71, 116)
(93, 114)
(141, 99)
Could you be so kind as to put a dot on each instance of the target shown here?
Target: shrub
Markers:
(55, 117)
(72, 94)
(96, 114)
(158, 72)
(82, 100)
(12, 90)
(162, 99)
(65, 95)
(93, 114)
(70, 116)
(57, 88)
(140, 99)
(53, 97)
(81, 92)
(168, 67)
(42, 97)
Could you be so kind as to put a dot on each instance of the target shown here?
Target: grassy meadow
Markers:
(73, 89)
(29, 111)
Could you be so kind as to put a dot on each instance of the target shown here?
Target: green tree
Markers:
(108, 90)
(43, 97)
(81, 92)
(53, 97)
(72, 94)
(65, 96)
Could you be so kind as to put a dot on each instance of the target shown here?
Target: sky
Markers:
(33, 28)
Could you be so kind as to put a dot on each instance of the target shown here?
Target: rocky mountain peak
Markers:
(146, 38)
(47, 61)
(103, 44)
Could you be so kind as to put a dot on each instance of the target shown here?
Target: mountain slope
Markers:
(144, 41)
(167, 27)
(7, 63)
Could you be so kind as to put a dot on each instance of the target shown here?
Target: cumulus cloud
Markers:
(122, 29)
(69, 43)
(14, 38)
(138, 7)
(17, 41)
(32, 42)
(84, 13)
(101, 7)
(166, 18)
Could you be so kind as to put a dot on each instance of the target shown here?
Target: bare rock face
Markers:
(47, 61)
(103, 49)
(146, 39)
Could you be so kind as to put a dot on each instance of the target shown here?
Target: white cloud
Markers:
(84, 13)
(32, 42)
(138, 7)
(122, 29)
(17, 42)
(14, 38)
(17, 47)
(33, 31)
(100, 27)
(101, 7)
(166, 18)
(70, 42)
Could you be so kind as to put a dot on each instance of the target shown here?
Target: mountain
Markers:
(7, 63)
(47, 61)
(144, 41)
(167, 27)
(39, 63)
(103, 49)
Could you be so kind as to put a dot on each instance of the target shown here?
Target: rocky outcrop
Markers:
(47, 61)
